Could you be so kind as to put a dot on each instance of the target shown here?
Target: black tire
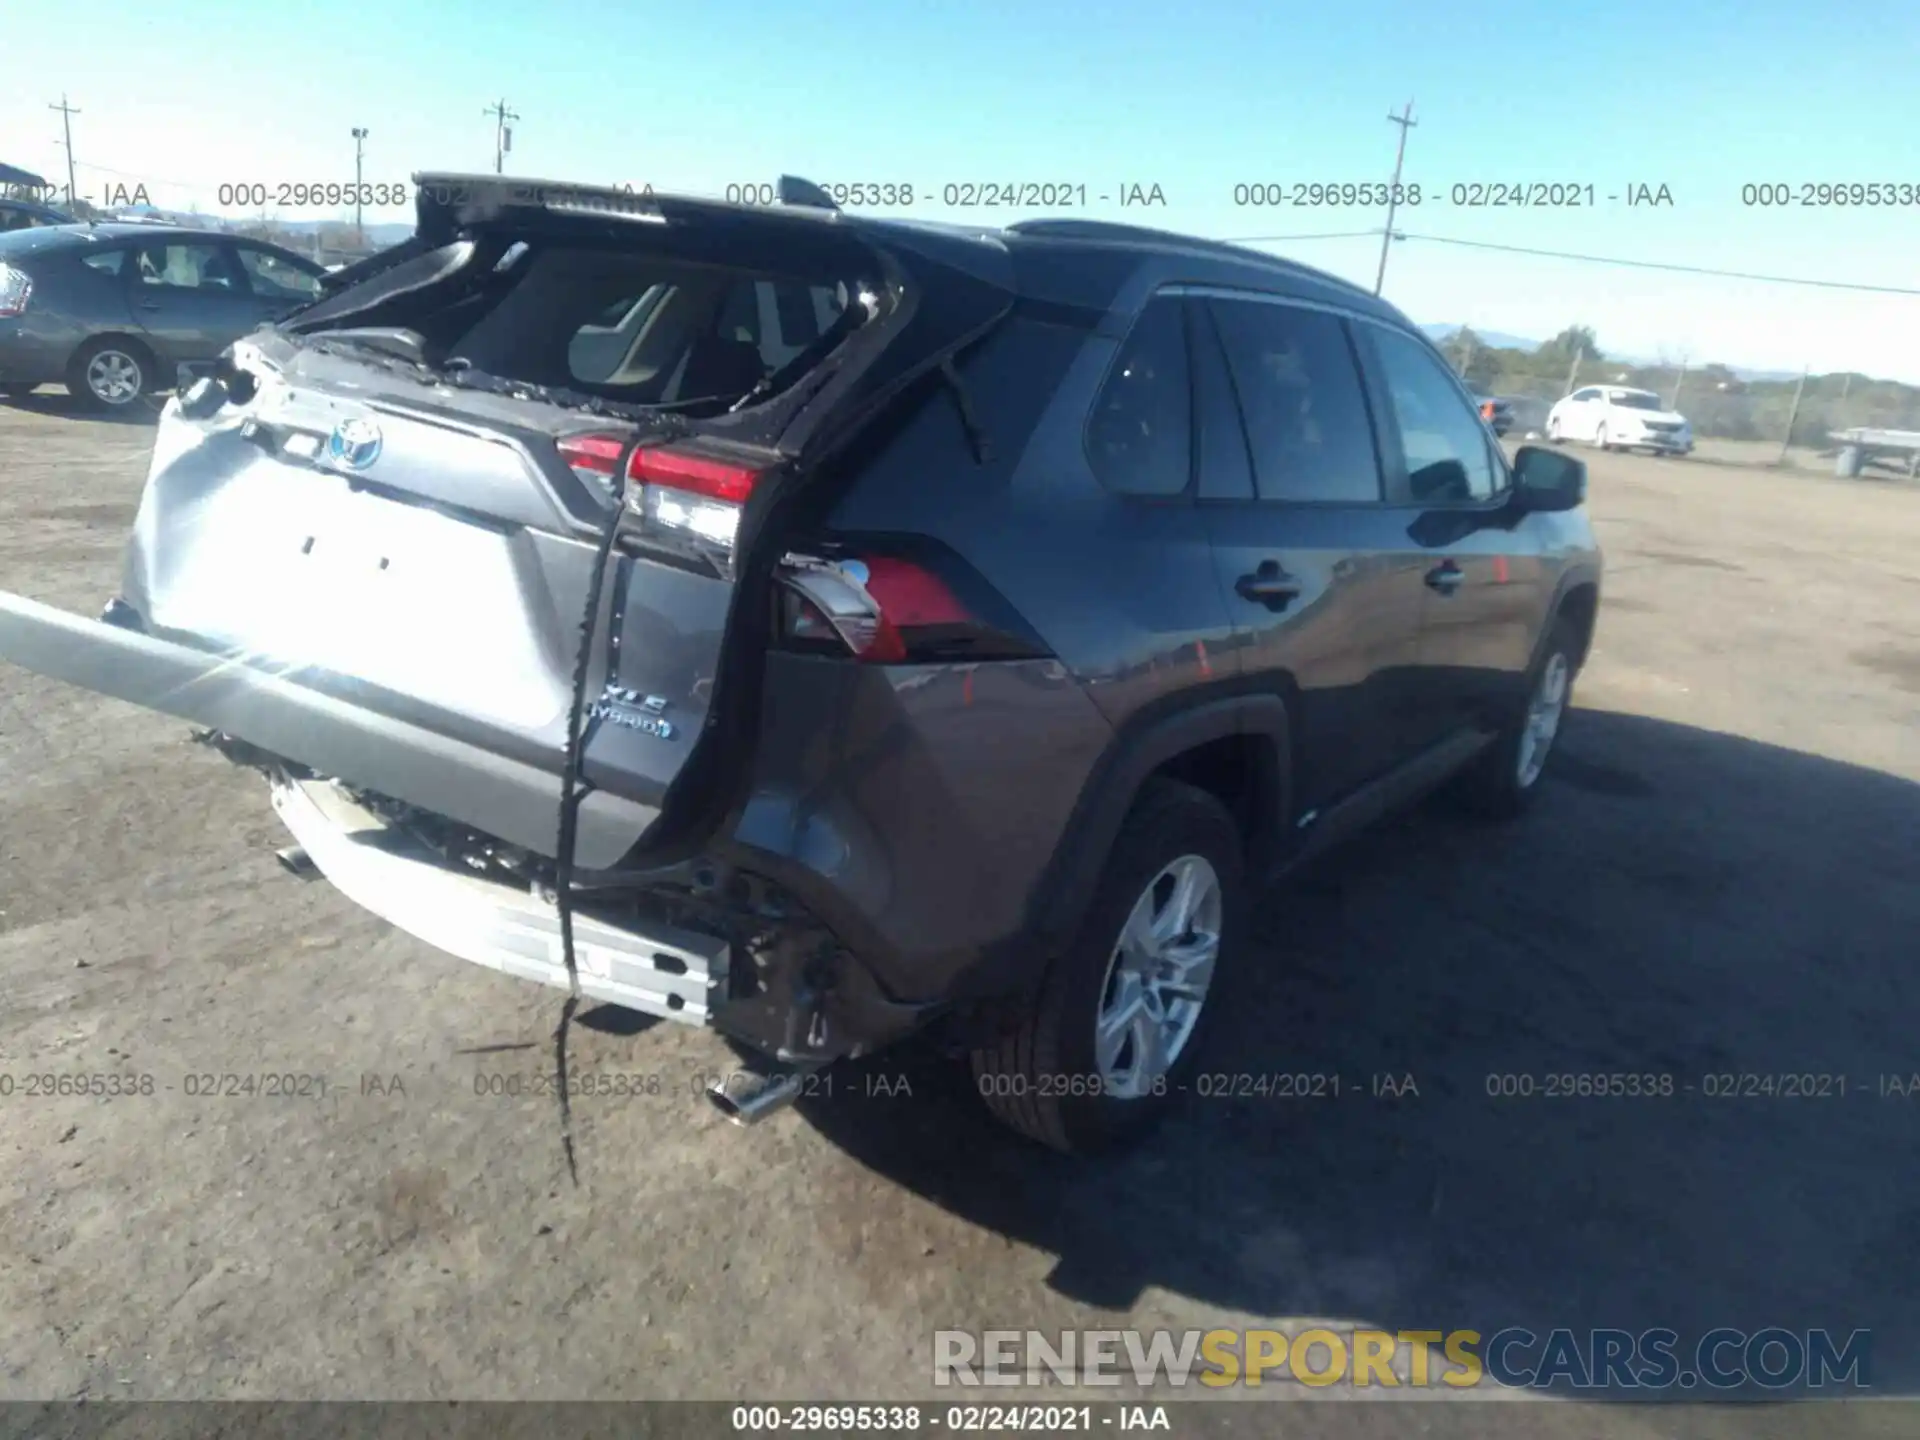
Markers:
(131, 352)
(1036, 1075)
(1493, 785)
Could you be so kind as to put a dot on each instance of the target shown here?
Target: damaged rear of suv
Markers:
(726, 613)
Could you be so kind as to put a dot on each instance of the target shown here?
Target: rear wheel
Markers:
(1553, 429)
(110, 374)
(1108, 1043)
(1502, 782)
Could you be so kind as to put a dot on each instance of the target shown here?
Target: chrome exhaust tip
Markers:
(296, 862)
(747, 1099)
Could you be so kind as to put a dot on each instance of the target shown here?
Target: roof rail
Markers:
(1069, 229)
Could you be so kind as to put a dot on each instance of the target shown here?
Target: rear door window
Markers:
(1299, 387)
(196, 267)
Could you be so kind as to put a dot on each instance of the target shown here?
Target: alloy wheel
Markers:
(1544, 712)
(1158, 977)
(114, 377)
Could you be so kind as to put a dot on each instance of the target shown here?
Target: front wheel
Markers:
(1113, 1035)
(1553, 431)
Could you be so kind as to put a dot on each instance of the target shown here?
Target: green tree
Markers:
(1562, 348)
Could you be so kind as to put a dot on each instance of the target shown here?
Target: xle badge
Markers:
(631, 709)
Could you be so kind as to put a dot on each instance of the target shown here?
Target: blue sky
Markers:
(1700, 97)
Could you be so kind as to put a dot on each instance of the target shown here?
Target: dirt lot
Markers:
(1721, 880)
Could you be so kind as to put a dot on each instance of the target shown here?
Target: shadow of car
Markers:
(1704, 908)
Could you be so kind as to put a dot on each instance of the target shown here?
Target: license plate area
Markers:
(300, 569)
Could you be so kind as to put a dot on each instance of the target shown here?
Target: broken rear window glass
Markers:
(648, 331)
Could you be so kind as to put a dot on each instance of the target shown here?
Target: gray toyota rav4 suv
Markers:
(824, 628)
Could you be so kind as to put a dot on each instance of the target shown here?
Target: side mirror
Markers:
(1547, 480)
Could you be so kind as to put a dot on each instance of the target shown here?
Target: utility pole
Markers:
(1573, 370)
(359, 149)
(502, 134)
(67, 112)
(1793, 415)
(1678, 381)
(1406, 122)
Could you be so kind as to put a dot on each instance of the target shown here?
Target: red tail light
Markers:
(673, 491)
(714, 479)
(912, 597)
(15, 287)
(885, 611)
(593, 457)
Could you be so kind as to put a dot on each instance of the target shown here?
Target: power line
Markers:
(143, 178)
(1274, 239)
(1597, 260)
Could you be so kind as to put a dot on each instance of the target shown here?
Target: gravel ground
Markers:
(1719, 880)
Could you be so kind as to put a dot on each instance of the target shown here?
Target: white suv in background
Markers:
(1615, 418)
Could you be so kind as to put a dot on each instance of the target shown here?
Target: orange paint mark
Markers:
(966, 690)
(1500, 569)
(1206, 665)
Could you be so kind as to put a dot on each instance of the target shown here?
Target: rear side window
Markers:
(1140, 436)
(1299, 389)
(1446, 444)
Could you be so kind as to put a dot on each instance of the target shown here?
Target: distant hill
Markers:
(1490, 337)
(1500, 341)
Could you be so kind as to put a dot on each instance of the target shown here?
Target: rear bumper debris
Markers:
(658, 970)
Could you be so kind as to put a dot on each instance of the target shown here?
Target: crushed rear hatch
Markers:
(366, 545)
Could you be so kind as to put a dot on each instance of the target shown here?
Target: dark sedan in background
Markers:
(114, 311)
(29, 215)
(1496, 412)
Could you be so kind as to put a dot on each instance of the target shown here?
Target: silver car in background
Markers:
(115, 311)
